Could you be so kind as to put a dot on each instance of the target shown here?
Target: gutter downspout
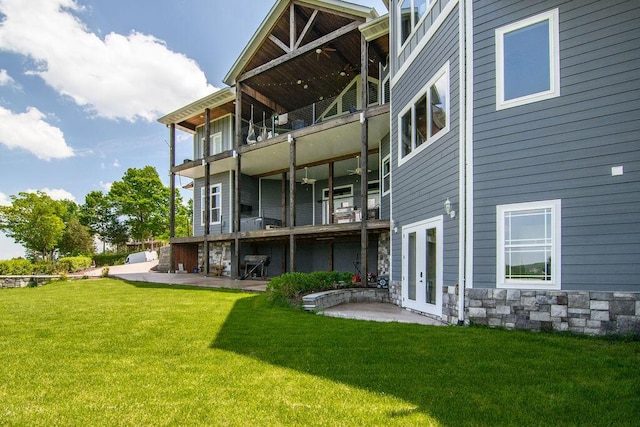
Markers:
(465, 259)
(462, 69)
(468, 167)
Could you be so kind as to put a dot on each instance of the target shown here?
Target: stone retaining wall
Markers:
(582, 312)
(23, 281)
(322, 300)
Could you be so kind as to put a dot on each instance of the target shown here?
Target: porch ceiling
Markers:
(313, 149)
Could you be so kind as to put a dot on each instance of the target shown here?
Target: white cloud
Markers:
(5, 78)
(28, 131)
(129, 77)
(106, 186)
(116, 163)
(4, 200)
(55, 193)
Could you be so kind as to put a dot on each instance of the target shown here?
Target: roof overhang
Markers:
(216, 99)
(363, 12)
(375, 28)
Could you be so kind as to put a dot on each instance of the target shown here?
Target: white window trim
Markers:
(212, 142)
(414, 25)
(430, 139)
(556, 244)
(385, 190)
(553, 16)
(202, 203)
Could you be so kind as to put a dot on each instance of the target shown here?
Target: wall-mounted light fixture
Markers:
(448, 210)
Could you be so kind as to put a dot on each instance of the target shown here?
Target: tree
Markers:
(184, 215)
(143, 201)
(35, 221)
(99, 215)
(76, 239)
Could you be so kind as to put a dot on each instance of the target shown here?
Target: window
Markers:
(410, 13)
(528, 245)
(386, 175)
(528, 60)
(215, 204)
(426, 118)
(215, 146)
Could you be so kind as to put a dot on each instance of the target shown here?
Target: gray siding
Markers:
(422, 184)
(224, 125)
(564, 148)
(198, 228)
(250, 195)
(417, 36)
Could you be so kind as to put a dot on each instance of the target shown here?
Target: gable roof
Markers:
(276, 14)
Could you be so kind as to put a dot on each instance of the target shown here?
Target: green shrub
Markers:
(73, 264)
(109, 258)
(290, 287)
(44, 267)
(16, 267)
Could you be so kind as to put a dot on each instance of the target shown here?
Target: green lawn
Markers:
(107, 352)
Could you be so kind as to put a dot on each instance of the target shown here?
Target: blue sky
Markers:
(82, 83)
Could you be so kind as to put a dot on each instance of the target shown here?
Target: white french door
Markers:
(422, 245)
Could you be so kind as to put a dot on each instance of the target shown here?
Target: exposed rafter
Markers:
(301, 51)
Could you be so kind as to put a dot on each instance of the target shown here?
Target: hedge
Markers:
(106, 259)
(290, 287)
(16, 267)
(73, 264)
(24, 267)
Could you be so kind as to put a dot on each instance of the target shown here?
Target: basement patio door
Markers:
(422, 245)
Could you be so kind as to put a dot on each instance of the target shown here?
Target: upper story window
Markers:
(215, 204)
(528, 60)
(386, 175)
(410, 13)
(426, 117)
(528, 245)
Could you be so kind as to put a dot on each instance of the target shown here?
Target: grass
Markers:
(107, 352)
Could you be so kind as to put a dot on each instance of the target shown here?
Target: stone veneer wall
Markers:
(449, 302)
(384, 254)
(215, 249)
(164, 255)
(23, 281)
(582, 312)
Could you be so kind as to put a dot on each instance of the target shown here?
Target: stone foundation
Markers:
(582, 312)
(219, 254)
(384, 254)
(164, 254)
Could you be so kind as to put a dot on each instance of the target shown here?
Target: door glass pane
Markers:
(411, 267)
(430, 297)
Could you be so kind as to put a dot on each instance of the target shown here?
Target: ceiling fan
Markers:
(306, 179)
(323, 51)
(347, 70)
(358, 170)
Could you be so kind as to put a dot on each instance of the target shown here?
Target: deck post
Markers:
(207, 187)
(292, 204)
(364, 158)
(236, 183)
(172, 183)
